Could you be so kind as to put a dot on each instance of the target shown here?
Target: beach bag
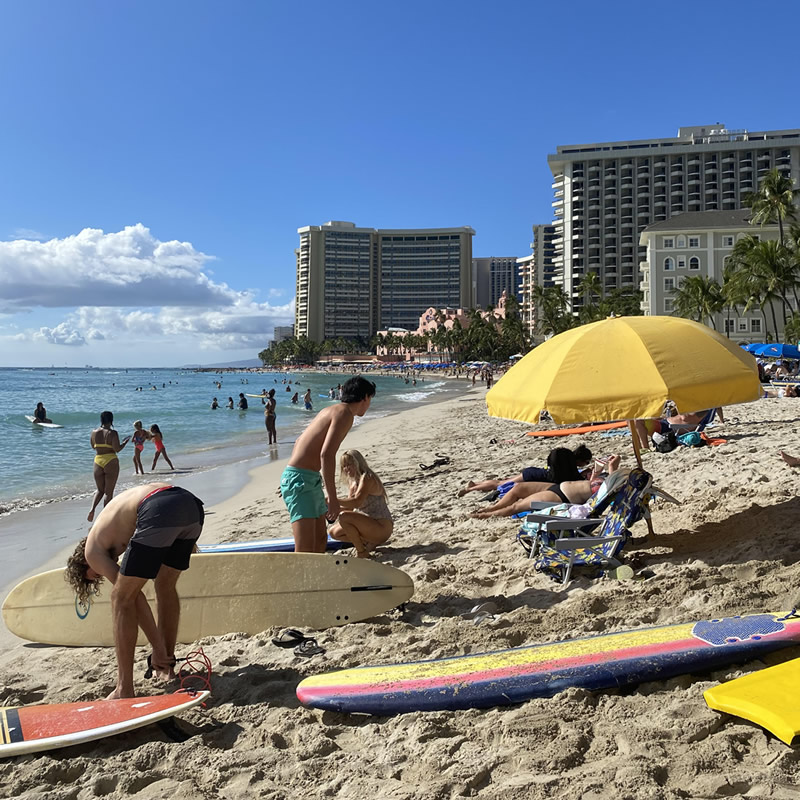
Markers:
(691, 439)
(665, 442)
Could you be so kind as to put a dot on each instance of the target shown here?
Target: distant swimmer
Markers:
(40, 414)
(295, 398)
(307, 400)
(230, 402)
(242, 402)
(214, 403)
(106, 444)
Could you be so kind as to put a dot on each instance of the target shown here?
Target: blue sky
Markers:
(158, 157)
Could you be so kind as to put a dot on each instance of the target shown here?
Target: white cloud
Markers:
(62, 334)
(129, 288)
(128, 268)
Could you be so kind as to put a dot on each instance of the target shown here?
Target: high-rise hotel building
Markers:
(352, 282)
(606, 194)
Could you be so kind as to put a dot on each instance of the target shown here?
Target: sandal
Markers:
(308, 647)
(291, 637)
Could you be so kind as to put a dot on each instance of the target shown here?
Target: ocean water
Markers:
(39, 465)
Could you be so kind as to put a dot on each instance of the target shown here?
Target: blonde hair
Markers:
(360, 469)
(137, 424)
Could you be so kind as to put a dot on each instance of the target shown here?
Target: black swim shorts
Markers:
(168, 524)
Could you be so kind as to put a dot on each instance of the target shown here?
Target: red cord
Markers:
(195, 672)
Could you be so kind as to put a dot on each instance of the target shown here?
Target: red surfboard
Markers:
(29, 729)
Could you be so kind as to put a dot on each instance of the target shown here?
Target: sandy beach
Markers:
(729, 548)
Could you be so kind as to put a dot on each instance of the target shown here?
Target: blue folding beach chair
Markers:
(565, 544)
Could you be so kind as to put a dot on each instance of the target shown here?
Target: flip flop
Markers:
(291, 637)
(307, 648)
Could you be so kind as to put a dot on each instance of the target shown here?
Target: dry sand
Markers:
(730, 548)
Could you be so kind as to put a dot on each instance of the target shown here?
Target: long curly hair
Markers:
(75, 575)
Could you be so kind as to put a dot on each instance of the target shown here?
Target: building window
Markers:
(669, 305)
(743, 325)
(669, 284)
(694, 241)
(681, 241)
(669, 242)
(727, 241)
(681, 262)
(669, 264)
(729, 325)
(694, 262)
(755, 326)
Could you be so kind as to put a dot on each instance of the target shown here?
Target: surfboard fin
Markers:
(768, 697)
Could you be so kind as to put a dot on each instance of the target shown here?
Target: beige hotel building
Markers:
(352, 282)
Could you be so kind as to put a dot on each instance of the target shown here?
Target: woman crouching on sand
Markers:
(366, 521)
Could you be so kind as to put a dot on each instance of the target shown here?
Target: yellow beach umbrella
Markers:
(626, 368)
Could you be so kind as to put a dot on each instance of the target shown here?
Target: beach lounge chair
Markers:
(565, 543)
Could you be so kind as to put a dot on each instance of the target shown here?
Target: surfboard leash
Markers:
(195, 668)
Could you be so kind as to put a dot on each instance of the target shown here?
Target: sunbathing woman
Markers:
(583, 457)
(573, 492)
(366, 521)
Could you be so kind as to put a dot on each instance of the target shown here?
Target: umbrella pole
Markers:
(637, 453)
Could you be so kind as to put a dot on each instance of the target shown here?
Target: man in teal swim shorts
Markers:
(309, 496)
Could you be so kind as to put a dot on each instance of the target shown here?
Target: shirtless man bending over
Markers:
(154, 528)
(315, 451)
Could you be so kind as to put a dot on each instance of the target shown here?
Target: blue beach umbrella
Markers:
(751, 348)
(777, 351)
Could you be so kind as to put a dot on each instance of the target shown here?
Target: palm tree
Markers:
(699, 297)
(774, 200)
(590, 287)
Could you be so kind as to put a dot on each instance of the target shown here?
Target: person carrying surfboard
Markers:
(314, 452)
(154, 528)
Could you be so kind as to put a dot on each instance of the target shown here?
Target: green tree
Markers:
(699, 298)
(773, 201)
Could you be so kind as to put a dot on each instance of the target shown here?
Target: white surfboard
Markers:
(220, 593)
(42, 424)
(31, 729)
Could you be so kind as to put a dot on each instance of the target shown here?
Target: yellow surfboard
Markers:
(220, 593)
(769, 698)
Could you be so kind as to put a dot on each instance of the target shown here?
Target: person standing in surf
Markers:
(106, 444)
(307, 400)
(154, 528)
(270, 417)
(308, 484)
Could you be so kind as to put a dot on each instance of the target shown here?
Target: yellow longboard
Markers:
(769, 698)
(220, 593)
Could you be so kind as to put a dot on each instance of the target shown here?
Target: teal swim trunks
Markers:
(301, 490)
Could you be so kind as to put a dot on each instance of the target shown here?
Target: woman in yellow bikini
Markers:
(106, 444)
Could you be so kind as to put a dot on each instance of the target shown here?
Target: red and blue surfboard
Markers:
(505, 677)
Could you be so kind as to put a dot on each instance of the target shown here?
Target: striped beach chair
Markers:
(564, 543)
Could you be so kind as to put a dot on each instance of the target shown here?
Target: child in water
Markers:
(140, 436)
(158, 441)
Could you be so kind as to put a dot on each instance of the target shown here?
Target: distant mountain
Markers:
(247, 362)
